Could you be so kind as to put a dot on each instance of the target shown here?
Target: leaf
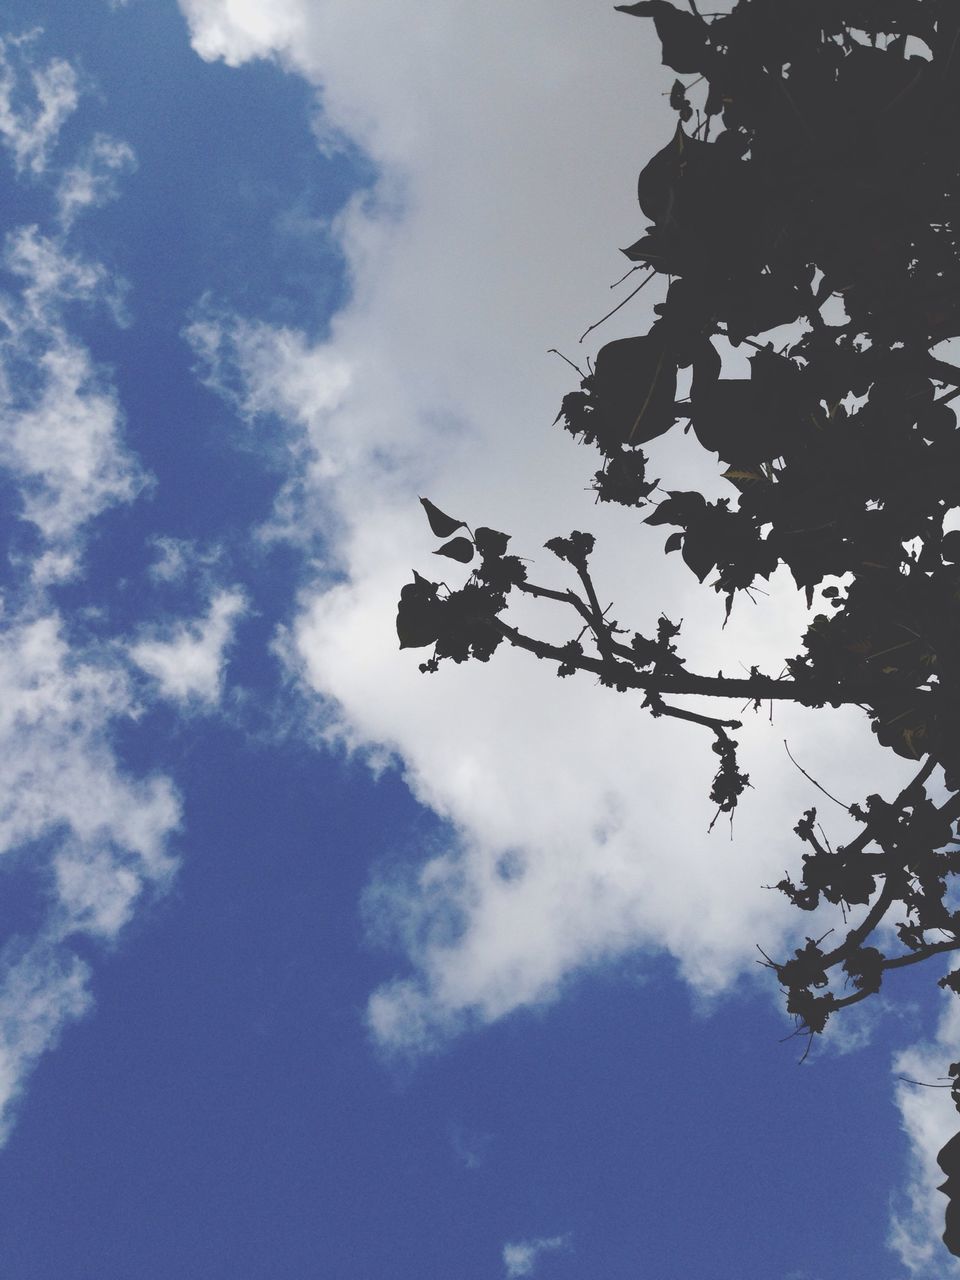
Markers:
(634, 389)
(647, 249)
(679, 507)
(698, 555)
(574, 549)
(441, 524)
(490, 542)
(743, 478)
(674, 542)
(683, 37)
(418, 613)
(457, 549)
(950, 546)
(756, 417)
(759, 304)
(660, 177)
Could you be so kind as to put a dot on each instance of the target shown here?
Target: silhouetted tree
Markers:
(816, 157)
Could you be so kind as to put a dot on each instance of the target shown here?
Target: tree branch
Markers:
(754, 688)
(562, 597)
(599, 628)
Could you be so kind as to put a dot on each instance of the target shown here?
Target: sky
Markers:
(314, 966)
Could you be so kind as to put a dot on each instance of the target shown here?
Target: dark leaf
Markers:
(678, 508)
(682, 36)
(490, 542)
(659, 179)
(950, 546)
(698, 554)
(418, 613)
(648, 249)
(441, 524)
(457, 549)
(633, 392)
(574, 549)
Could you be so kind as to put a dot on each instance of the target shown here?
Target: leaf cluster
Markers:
(805, 207)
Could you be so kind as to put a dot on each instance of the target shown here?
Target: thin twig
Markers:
(637, 267)
(814, 781)
(552, 351)
(645, 280)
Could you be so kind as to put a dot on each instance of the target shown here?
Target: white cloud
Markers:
(98, 837)
(61, 438)
(92, 181)
(521, 1258)
(506, 183)
(35, 101)
(58, 771)
(928, 1118)
(50, 276)
(40, 992)
(179, 558)
(236, 30)
(187, 658)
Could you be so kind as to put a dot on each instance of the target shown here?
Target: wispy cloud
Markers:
(93, 180)
(36, 98)
(41, 991)
(96, 840)
(178, 559)
(521, 1258)
(62, 442)
(187, 658)
(928, 1118)
(99, 837)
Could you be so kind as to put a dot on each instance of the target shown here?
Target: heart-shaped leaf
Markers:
(457, 549)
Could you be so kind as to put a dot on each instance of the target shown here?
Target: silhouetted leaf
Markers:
(490, 542)
(633, 392)
(657, 186)
(678, 508)
(457, 549)
(648, 249)
(574, 549)
(441, 524)
(682, 36)
(418, 613)
(698, 554)
(950, 546)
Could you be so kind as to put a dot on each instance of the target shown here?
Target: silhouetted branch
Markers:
(841, 449)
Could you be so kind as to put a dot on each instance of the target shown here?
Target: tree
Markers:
(816, 160)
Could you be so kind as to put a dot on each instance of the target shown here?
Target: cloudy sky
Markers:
(312, 965)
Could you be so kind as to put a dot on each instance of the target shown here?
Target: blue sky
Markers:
(269, 1006)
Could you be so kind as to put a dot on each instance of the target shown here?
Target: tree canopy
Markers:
(815, 161)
